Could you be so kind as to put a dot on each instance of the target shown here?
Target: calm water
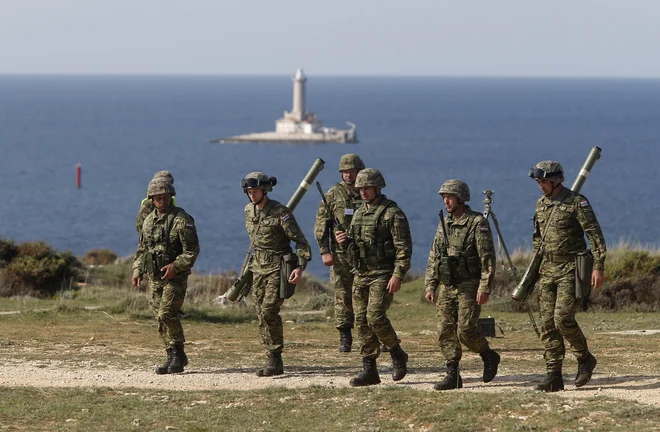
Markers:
(419, 132)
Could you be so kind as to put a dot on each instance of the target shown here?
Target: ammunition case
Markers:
(289, 262)
(584, 265)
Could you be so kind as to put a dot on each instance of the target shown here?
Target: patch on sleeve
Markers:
(484, 228)
(401, 217)
(285, 217)
(584, 203)
(190, 225)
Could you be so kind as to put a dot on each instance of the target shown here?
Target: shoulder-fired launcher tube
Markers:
(530, 276)
(305, 184)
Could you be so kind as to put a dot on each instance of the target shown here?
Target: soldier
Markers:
(343, 199)
(147, 206)
(561, 220)
(166, 253)
(463, 268)
(379, 247)
(272, 227)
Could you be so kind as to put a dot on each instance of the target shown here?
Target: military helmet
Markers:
(456, 187)
(547, 169)
(160, 186)
(369, 177)
(350, 161)
(164, 175)
(259, 180)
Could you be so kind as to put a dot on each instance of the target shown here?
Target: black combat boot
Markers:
(585, 368)
(177, 363)
(553, 382)
(274, 365)
(491, 361)
(345, 339)
(399, 359)
(452, 380)
(162, 369)
(368, 376)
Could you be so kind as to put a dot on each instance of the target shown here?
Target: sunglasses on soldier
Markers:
(538, 173)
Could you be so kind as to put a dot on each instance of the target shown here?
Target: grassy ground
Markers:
(111, 327)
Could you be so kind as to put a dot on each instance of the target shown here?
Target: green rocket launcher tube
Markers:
(243, 284)
(531, 275)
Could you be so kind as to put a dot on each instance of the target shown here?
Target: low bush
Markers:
(8, 250)
(97, 257)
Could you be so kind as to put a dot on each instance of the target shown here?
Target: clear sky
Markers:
(561, 38)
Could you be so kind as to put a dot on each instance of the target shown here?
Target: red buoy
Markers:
(78, 175)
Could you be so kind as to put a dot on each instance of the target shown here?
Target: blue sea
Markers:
(418, 131)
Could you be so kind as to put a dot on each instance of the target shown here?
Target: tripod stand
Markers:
(488, 214)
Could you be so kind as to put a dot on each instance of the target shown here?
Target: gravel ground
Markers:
(643, 389)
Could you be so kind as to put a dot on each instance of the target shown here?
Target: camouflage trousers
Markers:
(266, 294)
(558, 306)
(370, 303)
(166, 301)
(458, 313)
(341, 278)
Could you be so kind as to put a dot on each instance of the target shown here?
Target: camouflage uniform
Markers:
(471, 242)
(272, 237)
(343, 202)
(167, 238)
(560, 224)
(471, 238)
(573, 219)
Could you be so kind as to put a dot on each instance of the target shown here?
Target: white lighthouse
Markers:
(298, 125)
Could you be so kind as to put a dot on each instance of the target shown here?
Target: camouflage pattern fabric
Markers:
(381, 235)
(265, 292)
(146, 207)
(457, 309)
(172, 235)
(458, 313)
(343, 202)
(469, 236)
(370, 303)
(272, 238)
(573, 219)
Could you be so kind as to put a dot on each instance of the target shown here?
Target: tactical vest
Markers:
(159, 249)
(347, 202)
(463, 263)
(375, 245)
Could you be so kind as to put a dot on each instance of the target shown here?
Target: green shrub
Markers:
(98, 257)
(39, 268)
(8, 250)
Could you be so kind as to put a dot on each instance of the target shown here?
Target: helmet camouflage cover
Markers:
(160, 186)
(456, 187)
(164, 175)
(547, 169)
(259, 180)
(350, 161)
(369, 177)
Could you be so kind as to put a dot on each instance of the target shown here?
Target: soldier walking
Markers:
(343, 199)
(462, 265)
(272, 227)
(379, 247)
(167, 250)
(561, 220)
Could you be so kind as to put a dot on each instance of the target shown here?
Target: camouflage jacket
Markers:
(471, 239)
(573, 219)
(146, 207)
(380, 241)
(167, 238)
(342, 202)
(273, 235)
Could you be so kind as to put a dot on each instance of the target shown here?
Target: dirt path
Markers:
(643, 389)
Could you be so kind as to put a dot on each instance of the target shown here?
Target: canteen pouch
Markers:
(289, 262)
(148, 265)
(447, 270)
(474, 267)
(584, 265)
